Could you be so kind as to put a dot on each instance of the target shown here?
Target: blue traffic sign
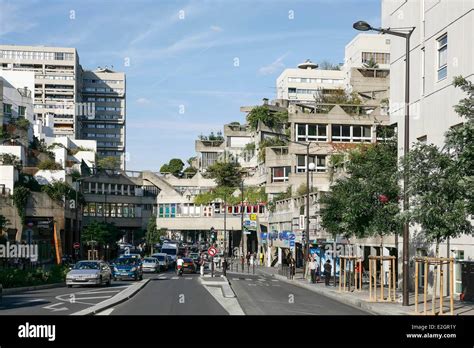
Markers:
(292, 236)
(292, 243)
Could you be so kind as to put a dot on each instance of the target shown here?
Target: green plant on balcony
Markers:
(274, 120)
(10, 160)
(266, 143)
(20, 198)
(49, 164)
(22, 123)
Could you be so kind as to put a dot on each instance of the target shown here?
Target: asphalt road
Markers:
(264, 295)
(168, 294)
(59, 301)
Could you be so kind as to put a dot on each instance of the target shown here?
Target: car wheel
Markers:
(141, 277)
(69, 286)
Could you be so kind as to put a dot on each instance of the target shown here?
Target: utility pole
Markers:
(243, 241)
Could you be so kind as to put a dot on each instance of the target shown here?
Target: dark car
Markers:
(127, 267)
(189, 265)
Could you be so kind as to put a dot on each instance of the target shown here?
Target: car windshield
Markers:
(160, 258)
(126, 261)
(149, 260)
(188, 260)
(86, 265)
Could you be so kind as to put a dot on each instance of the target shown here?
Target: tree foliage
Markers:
(272, 119)
(108, 163)
(365, 203)
(174, 166)
(101, 232)
(49, 164)
(225, 174)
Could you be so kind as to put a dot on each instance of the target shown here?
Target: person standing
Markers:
(201, 264)
(327, 272)
(292, 266)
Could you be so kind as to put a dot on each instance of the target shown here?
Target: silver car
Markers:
(150, 264)
(89, 273)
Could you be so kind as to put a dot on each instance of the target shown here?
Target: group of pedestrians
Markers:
(312, 269)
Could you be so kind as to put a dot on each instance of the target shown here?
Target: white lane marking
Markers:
(98, 292)
(188, 278)
(106, 312)
(175, 278)
(162, 278)
(277, 285)
(249, 279)
(274, 280)
(92, 297)
(235, 278)
(54, 309)
(27, 301)
(250, 284)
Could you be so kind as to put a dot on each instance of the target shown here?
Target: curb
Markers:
(361, 304)
(10, 291)
(119, 298)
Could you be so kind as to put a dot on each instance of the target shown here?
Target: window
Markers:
(280, 174)
(442, 57)
(22, 111)
(311, 132)
(379, 58)
(7, 109)
(361, 133)
(209, 158)
(318, 160)
(355, 133)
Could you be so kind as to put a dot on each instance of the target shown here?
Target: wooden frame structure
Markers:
(434, 261)
(350, 261)
(373, 260)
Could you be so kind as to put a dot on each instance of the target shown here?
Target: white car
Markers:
(89, 273)
(151, 264)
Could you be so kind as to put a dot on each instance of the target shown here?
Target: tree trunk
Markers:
(435, 278)
(381, 266)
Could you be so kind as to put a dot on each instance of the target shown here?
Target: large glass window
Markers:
(311, 132)
(354, 133)
(361, 133)
(280, 174)
(442, 57)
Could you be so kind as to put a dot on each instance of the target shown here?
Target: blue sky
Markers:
(181, 78)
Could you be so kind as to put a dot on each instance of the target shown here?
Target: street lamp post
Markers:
(364, 26)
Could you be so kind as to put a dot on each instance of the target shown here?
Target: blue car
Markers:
(127, 267)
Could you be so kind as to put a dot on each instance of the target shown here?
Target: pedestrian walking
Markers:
(292, 266)
(327, 272)
(312, 268)
(201, 264)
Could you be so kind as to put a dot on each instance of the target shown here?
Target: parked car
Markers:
(126, 267)
(89, 273)
(162, 260)
(151, 264)
(189, 265)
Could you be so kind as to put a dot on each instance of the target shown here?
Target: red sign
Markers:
(212, 251)
(76, 245)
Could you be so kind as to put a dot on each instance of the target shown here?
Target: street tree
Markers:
(153, 233)
(225, 174)
(101, 232)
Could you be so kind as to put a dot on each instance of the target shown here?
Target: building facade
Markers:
(440, 49)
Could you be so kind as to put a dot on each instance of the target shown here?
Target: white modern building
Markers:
(307, 82)
(441, 47)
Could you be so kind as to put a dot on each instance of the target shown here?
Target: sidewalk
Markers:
(360, 299)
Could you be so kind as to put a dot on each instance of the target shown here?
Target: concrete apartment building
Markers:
(440, 49)
(105, 89)
(307, 82)
(67, 98)
(119, 197)
(56, 72)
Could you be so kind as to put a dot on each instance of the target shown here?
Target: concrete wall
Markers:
(15, 150)
(8, 177)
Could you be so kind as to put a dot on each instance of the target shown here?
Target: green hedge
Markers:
(13, 277)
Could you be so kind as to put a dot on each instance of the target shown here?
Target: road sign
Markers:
(76, 245)
(292, 236)
(292, 243)
(253, 217)
(212, 251)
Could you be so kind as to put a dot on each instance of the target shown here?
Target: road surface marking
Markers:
(274, 280)
(54, 309)
(250, 284)
(106, 312)
(235, 278)
(162, 278)
(188, 278)
(249, 279)
(27, 301)
(91, 298)
(175, 278)
(277, 285)
(99, 292)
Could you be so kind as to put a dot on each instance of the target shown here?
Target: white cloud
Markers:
(216, 28)
(143, 101)
(274, 67)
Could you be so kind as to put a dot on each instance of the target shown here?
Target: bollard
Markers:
(253, 267)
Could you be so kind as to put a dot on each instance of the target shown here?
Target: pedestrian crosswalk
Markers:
(176, 277)
(263, 282)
